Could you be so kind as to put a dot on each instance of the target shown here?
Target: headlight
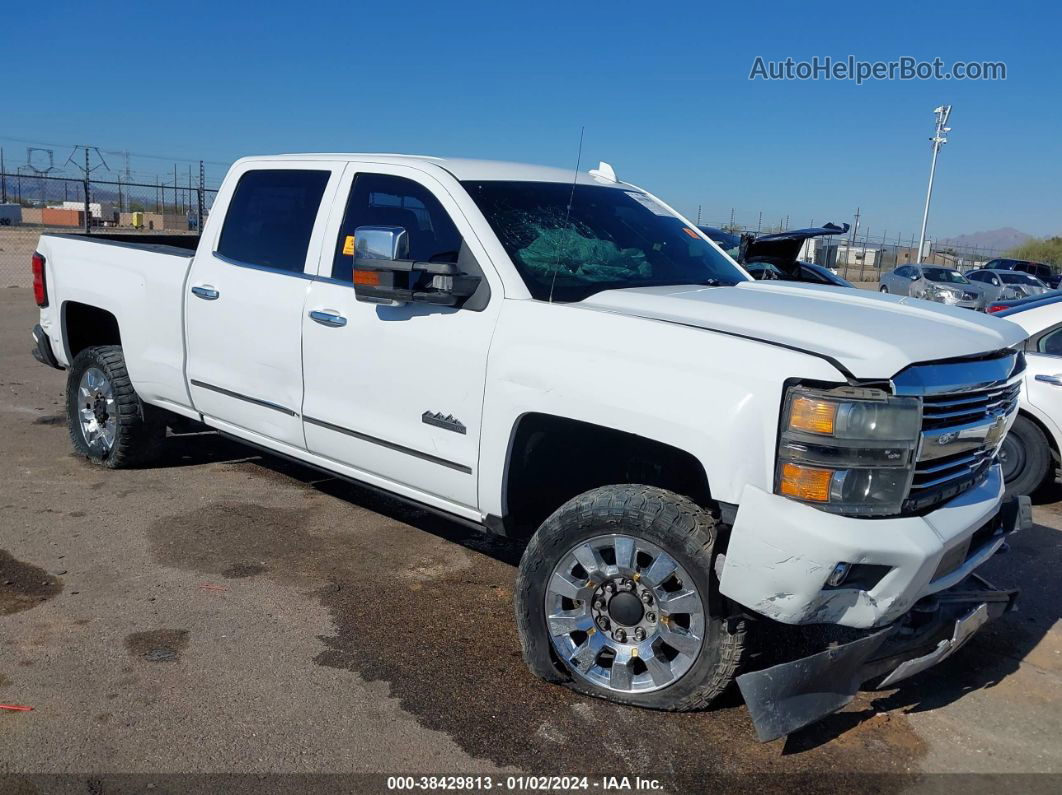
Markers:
(847, 450)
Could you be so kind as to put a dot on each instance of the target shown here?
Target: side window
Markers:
(976, 277)
(904, 271)
(384, 200)
(271, 216)
(1050, 343)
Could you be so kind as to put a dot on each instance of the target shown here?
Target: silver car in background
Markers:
(933, 283)
(1000, 285)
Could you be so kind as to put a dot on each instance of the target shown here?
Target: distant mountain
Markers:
(994, 239)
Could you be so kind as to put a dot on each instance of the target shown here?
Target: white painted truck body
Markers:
(698, 368)
(701, 369)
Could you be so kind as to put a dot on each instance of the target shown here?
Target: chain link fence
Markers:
(33, 204)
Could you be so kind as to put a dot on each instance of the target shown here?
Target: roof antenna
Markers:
(568, 212)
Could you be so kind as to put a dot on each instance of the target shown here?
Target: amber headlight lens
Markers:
(847, 450)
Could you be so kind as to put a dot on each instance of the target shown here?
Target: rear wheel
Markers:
(108, 422)
(1025, 457)
(617, 598)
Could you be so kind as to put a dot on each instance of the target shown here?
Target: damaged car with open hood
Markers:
(776, 256)
(692, 459)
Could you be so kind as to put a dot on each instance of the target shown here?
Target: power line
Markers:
(118, 152)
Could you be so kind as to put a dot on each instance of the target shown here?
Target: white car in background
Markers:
(1030, 451)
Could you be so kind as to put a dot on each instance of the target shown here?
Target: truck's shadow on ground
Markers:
(1032, 563)
(207, 447)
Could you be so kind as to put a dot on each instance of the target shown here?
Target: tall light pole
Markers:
(940, 137)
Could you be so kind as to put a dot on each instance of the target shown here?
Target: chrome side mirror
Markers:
(381, 242)
(384, 274)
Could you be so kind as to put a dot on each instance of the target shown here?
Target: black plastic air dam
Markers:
(790, 696)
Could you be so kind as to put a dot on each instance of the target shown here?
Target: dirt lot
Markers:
(228, 613)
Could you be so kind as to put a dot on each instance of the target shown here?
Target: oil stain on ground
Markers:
(23, 585)
(157, 645)
(446, 643)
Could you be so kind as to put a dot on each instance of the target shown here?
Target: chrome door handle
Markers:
(1054, 380)
(206, 293)
(328, 318)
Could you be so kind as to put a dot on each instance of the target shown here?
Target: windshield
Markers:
(944, 275)
(607, 239)
(1020, 278)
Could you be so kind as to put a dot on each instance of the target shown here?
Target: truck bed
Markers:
(140, 281)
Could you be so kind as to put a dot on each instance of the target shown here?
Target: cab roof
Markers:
(460, 168)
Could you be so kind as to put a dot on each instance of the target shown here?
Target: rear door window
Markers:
(271, 217)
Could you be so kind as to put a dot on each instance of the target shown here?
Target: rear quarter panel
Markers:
(142, 288)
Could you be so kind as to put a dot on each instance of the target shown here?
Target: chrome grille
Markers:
(962, 407)
(966, 405)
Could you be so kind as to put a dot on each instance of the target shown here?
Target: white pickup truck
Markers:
(694, 458)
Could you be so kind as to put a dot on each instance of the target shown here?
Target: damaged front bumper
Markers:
(781, 553)
(787, 697)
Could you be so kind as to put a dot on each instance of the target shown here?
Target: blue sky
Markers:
(662, 90)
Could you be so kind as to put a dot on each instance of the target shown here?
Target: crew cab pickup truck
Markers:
(693, 457)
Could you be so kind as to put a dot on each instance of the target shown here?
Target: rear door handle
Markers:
(1054, 380)
(206, 293)
(328, 318)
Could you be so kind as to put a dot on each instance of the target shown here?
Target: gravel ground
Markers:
(224, 612)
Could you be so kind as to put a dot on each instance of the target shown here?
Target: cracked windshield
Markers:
(569, 244)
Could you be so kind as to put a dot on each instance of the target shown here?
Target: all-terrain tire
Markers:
(680, 528)
(140, 429)
(1029, 457)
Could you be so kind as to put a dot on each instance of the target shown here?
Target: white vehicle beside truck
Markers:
(694, 458)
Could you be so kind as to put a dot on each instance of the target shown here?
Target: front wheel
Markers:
(108, 422)
(1025, 457)
(884, 289)
(617, 598)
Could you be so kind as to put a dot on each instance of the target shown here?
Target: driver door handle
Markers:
(206, 293)
(1054, 380)
(328, 318)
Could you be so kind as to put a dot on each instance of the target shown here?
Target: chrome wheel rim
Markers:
(97, 412)
(624, 614)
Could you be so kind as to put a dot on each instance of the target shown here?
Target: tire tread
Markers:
(648, 508)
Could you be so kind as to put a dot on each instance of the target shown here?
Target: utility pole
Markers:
(940, 137)
(86, 173)
(201, 197)
(88, 209)
(3, 178)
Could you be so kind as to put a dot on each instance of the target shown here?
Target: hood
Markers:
(869, 334)
(783, 248)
